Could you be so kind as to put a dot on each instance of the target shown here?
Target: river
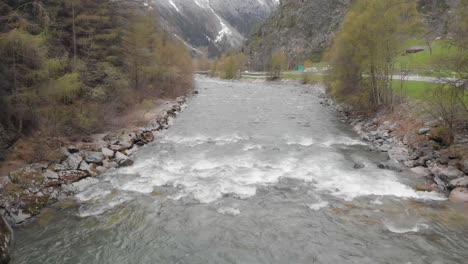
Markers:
(250, 172)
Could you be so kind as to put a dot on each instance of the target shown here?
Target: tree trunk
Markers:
(74, 34)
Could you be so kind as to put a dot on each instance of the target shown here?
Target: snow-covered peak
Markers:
(216, 24)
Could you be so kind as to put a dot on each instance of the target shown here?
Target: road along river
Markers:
(250, 173)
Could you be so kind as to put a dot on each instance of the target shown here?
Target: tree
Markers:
(362, 55)
(449, 101)
(278, 63)
(72, 5)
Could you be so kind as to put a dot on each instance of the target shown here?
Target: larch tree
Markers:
(363, 52)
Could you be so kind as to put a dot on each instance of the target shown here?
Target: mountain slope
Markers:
(216, 24)
(305, 28)
(301, 28)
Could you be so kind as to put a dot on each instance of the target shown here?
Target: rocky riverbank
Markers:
(24, 192)
(415, 143)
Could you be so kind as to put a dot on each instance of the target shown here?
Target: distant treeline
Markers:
(67, 66)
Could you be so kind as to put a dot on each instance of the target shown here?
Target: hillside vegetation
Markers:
(68, 66)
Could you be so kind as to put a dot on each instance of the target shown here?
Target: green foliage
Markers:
(64, 63)
(229, 66)
(364, 51)
(64, 89)
(278, 63)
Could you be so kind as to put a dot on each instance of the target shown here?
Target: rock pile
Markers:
(444, 170)
(26, 191)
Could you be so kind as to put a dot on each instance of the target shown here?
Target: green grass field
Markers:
(423, 61)
(414, 89)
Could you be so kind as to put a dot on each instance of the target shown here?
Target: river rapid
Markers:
(250, 173)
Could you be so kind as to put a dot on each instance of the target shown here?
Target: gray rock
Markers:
(460, 182)
(385, 147)
(26, 176)
(109, 164)
(459, 195)
(107, 152)
(93, 157)
(424, 130)
(131, 151)
(443, 160)
(421, 171)
(441, 182)
(358, 165)
(465, 166)
(51, 175)
(449, 171)
(390, 165)
(409, 163)
(398, 153)
(89, 168)
(58, 167)
(72, 162)
(72, 175)
(20, 216)
(123, 160)
(434, 123)
(101, 169)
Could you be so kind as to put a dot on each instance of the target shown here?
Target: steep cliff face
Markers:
(436, 14)
(216, 24)
(304, 28)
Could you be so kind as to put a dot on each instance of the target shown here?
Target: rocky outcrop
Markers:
(6, 239)
(26, 191)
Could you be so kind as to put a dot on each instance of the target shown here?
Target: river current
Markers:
(250, 173)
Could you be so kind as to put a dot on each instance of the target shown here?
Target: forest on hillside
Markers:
(68, 66)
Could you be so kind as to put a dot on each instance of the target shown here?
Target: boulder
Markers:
(460, 182)
(27, 176)
(424, 130)
(122, 142)
(69, 176)
(107, 152)
(446, 171)
(390, 165)
(465, 166)
(131, 151)
(144, 138)
(426, 187)
(58, 167)
(101, 169)
(399, 154)
(358, 165)
(51, 175)
(434, 123)
(89, 168)
(123, 160)
(459, 195)
(109, 164)
(93, 157)
(421, 171)
(72, 162)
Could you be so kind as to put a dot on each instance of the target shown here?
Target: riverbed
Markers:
(250, 172)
